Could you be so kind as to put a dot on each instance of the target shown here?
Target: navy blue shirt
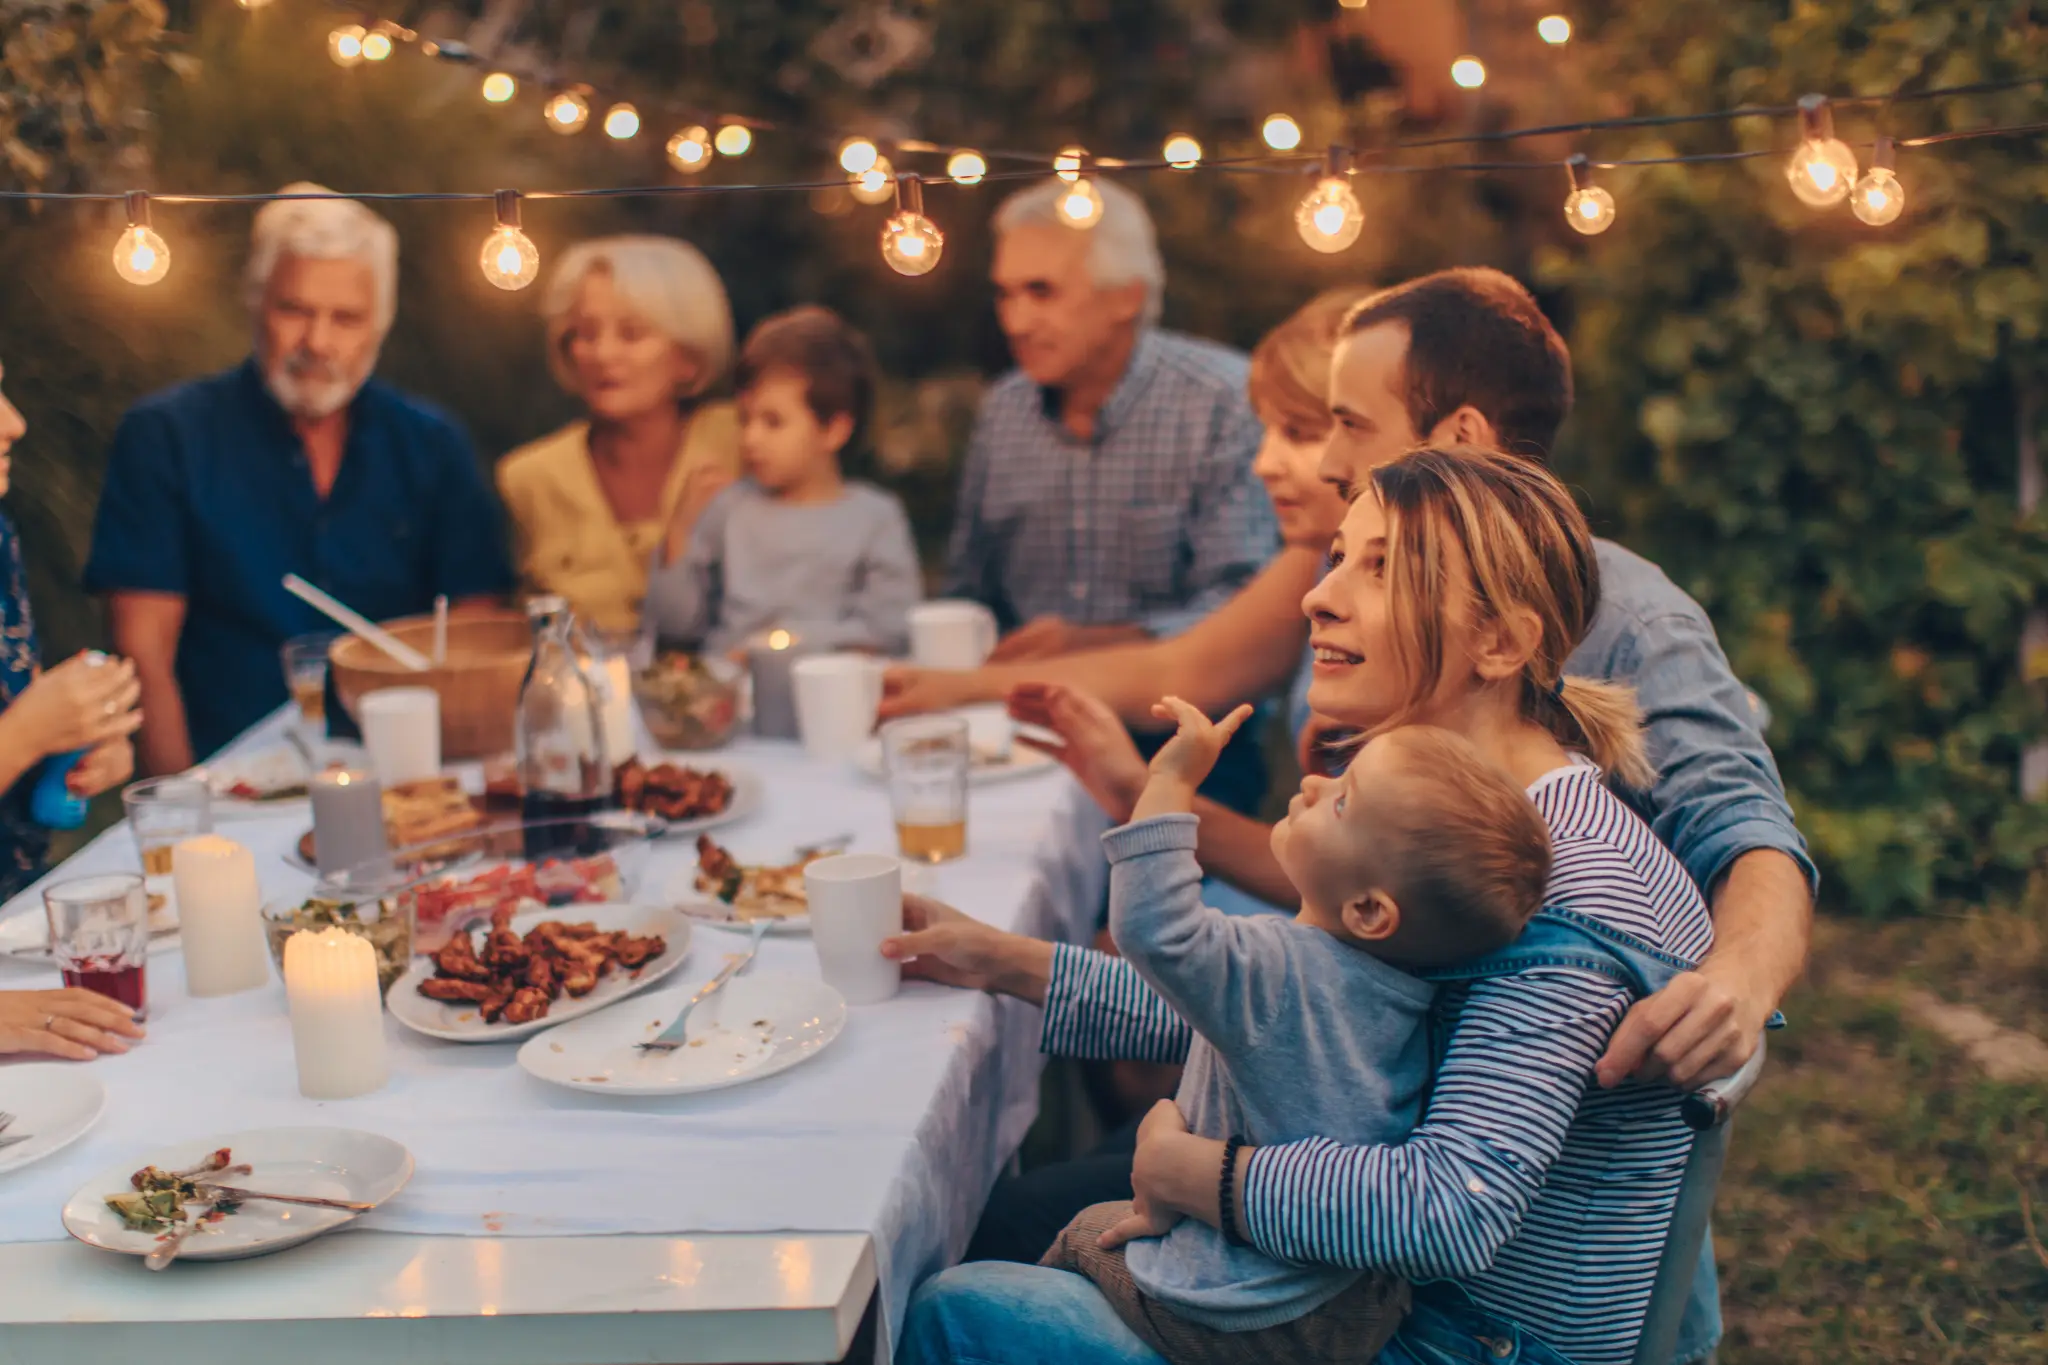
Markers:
(209, 496)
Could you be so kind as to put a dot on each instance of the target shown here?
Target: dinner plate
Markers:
(707, 909)
(1021, 761)
(27, 935)
(460, 1023)
(328, 1163)
(756, 1027)
(54, 1105)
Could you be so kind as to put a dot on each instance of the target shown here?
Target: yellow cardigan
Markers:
(569, 540)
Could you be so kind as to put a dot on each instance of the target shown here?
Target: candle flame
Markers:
(779, 639)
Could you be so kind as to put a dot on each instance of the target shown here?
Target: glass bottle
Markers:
(563, 768)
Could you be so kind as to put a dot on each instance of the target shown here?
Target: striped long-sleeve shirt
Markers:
(1544, 1196)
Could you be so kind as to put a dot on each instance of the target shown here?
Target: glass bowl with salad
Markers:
(689, 701)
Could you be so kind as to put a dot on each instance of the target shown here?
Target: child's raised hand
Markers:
(1187, 758)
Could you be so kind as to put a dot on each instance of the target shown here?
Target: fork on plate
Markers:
(672, 1037)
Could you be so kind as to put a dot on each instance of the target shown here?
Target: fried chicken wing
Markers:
(540, 973)
(637, 952)
(458, 959)
(528, 1003)
(455, 991)
(494, 1004)
(505, 951)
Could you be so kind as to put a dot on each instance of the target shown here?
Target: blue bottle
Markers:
(53, 805)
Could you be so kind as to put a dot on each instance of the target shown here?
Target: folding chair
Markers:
(1707, 1112)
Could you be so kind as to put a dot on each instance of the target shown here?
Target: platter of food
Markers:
(689, 799)
(47, 1107)
(756, 1027)
(531, 970)
(245, 1194)
(725, 891)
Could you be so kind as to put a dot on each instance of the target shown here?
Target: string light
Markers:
(689, 151)
(140, 256)
(1182, 152)
(1878, 197)
(1823, 170)
(499, 87)
(876, 184)
(857, 154)
(509, 258)
(1352, 4)
(1067, 165)
(911, 242)
(567, 112)
(252, 4)
(345, 44)
(1554, 29)
(621, 122)
(376, 45)
(1329, 217)
(1080, 205)
(966, 167)
(734, 139)
(1468, 73)
(1588, 208)
(1282, 133)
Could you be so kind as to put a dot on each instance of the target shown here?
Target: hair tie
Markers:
(1557, 688)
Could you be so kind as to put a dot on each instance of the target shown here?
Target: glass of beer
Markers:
(99, 934)
(163, 812)
(305, 673)
(926, 759)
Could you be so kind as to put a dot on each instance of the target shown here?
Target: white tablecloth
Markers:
(897, 1130)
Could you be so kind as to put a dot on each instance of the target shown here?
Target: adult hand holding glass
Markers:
(75, 1024)
(1095, 747)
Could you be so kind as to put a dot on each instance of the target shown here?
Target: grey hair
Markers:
(323, 230)
(1123, 246)
(665, 280)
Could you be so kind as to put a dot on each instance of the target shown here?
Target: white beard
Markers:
(312, 389)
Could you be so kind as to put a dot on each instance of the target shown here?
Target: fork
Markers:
(671, 1038)
(836, 844)
(5, 1120)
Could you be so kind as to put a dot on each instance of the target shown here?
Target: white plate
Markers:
(54, 1105)
(460, 1023)
(684, 895)
(755, 1027)
(329, 1163)
(27, 935)
(991, 732)
(746, 795)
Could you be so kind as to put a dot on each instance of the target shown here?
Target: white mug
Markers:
(856, 901)
(951, 634)
(402, 730)
(837, 696)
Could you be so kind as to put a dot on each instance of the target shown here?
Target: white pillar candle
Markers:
(330, 978)
(219, 916)
(348, 820)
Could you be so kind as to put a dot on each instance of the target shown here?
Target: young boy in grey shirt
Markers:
(1420, 855)
(795, 544)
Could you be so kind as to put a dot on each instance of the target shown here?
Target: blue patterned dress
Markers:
(23, 843)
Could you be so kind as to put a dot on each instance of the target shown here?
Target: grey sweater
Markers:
(841, 574)
(1297, 1036)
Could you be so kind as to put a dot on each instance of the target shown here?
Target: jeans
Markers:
(994, 1313)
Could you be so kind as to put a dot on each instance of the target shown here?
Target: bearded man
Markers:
(294, 462)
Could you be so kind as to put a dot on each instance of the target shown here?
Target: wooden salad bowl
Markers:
(478, 685)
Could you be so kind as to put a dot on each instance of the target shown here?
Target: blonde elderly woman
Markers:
(638, 330)
(296, 461)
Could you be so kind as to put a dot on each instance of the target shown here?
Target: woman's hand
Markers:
(76, 705)
(105, 766)
(75, 1024)
(1095, 746)
(908, 691)
(1173, 1175)
(941, 944)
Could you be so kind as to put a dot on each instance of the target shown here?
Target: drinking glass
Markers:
(305, 673)
(926, 760)
(99, 934)
(162, 812)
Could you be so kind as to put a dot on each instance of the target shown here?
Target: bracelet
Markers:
(1226, 1201)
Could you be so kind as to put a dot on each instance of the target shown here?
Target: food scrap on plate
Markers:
(753, 891)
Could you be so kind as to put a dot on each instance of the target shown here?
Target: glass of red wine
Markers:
(99, 934)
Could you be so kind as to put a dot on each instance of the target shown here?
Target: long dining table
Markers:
(551, 1227)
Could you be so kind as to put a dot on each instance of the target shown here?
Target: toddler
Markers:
(1422, 854)
(795, 543)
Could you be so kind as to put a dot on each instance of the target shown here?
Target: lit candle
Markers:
(348, 820)
(330, 979)
(219, 917)
(770, 657)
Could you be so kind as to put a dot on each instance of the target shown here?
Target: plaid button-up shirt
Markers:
(1155, 521)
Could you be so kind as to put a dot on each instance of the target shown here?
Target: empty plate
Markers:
(54, 1105)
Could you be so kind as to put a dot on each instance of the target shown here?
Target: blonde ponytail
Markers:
(1603, 720)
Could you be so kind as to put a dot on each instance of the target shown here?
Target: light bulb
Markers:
(1329, 217)
(1879, 198)
(1554, 29)
(252, 4)
(499, 87)
(966, 168)
(345, 44)
(1589, 210)
(1282, 133)
(911, 243)
(376, 46)
(1468, 73)
(1822, 171)
(1182, 152)
(734, 139)
(140, 256)
(509, 258)
(876, 184)
(1067, 165)
(621, 122)
(857, 154)
(1080, 205)
(567, 112)
(689, 151)
(1352, 4)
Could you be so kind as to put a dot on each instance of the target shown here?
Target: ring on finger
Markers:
(112, 708)
(49, 1023)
